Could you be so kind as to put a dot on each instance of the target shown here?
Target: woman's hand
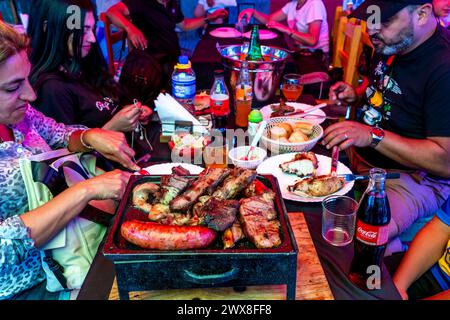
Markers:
(248, 13)
(126, 119)
(145, 115)
(342, 91)
(136, 37)
(218, 14)
(346, 134)
(278, 26)
(110, 185)
(112, 145)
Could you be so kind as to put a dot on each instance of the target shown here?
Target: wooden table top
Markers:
(311, 281)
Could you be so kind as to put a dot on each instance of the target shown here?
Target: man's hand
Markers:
(342, 91)
(346, 134)
(126, 119)
(218, 14)
(278, 26)
(247, 13)
(112, 145)
(136, 37)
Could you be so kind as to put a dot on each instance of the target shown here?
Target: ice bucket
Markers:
(265, 75)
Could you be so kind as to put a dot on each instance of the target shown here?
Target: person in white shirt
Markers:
(306, 23)
(205, 7)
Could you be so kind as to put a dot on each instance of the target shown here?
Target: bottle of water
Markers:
(183, 81)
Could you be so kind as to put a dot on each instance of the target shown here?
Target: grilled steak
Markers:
(258, 219)
(219, 214)
(303, 165)
(232, 187)
(184, 201)
(232, 235)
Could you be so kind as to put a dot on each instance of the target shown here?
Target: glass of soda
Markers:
(292, 86)
(338, 220)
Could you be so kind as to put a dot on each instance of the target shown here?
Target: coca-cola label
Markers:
(372, 235)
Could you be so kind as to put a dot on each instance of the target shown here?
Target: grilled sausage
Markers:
(150, 235)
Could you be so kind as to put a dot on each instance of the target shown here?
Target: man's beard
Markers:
(401, 43)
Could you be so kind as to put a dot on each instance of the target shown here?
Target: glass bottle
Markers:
(254, 50)
(371, 234)
(243, 96)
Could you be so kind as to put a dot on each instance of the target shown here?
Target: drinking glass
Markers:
(215, 154)
(338, 220)
(292, 86)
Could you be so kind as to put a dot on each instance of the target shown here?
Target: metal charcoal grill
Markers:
(140, 269)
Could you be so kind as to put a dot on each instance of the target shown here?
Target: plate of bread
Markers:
(283, 109)
(305, 176)
(288, 134)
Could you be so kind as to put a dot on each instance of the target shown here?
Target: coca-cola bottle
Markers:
(372, 232)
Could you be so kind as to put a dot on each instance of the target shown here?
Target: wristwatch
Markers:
(377, 135)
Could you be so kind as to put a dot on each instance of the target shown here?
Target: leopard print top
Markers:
(20, 264)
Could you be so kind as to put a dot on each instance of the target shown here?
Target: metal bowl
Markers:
(265, 75)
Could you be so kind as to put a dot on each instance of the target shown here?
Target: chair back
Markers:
(349, 50)
(111, 38)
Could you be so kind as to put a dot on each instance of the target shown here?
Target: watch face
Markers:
(378, 132)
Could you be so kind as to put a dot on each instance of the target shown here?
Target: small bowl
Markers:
(236, 154)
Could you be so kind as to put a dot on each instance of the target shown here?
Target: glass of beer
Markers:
(292, 86)
(215, 154)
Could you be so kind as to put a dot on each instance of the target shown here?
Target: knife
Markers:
(353, 177)
(319, 106)
(334, 160)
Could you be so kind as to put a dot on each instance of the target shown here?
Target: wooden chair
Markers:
(348, 51)
(336, 31)
(111, 38)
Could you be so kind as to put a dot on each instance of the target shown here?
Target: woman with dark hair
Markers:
(69, 72)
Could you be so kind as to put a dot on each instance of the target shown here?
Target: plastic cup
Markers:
(338, 220)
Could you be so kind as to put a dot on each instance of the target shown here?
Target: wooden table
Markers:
(311, 281)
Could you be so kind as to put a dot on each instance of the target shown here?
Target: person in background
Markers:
(70, 74)
(402, 123)
(442, 12)
(424, 272)
(152, 28)
(205, 7)
(307, 29)
(25, 131)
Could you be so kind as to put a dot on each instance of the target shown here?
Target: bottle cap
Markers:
(183, 60)
(255, 116)
(219, 73)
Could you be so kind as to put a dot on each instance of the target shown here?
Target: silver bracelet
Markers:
(83, 143)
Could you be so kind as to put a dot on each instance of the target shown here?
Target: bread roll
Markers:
(298, 136)
(276, 133)
(286, 127)
(304, 127)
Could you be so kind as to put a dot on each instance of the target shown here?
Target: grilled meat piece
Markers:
(219, 214)
(180, 171)
(231, 188)
(232, 235)
(318, 187)
(217, 182)
(258, 220)
(187, 199)
(257, 188)
(172, 186)
(303, 165)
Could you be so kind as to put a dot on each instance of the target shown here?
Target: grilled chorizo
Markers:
(150, 235)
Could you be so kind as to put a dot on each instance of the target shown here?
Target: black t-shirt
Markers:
(415, 89)
(158, 24)
(71, 102)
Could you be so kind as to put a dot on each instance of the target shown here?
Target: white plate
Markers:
(166, 168)
(272, 166)
(263, 35)
(225, 32)
(315, 117)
